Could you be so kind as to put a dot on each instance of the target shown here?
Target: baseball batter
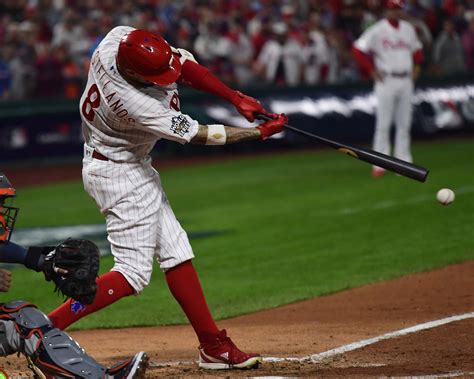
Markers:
(130, 102)
(396, 52)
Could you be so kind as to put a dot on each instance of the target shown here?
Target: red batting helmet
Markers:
(395, 4)
(147, 57)
(8, 214)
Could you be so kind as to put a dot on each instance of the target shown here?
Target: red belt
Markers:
(99, 156)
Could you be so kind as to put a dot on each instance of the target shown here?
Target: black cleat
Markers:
(133, 368)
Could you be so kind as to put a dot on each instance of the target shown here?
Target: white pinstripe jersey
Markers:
(121, 121)
(392, 47)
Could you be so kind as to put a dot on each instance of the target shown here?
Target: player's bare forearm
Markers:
(233, 135)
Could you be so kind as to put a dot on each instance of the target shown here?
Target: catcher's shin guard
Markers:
(49, 350)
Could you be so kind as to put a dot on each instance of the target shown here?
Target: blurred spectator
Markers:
(241, 54)
(448, 55)
(342, 67)
(320, 50)
(21, 64)
(214, 49)
(49, 82)
(280, 61)
(423, 33)
(205, 44)
(260, 32)
(468, 45)
(71, 74)
(5, 78)
(315, 58)
(70, 32)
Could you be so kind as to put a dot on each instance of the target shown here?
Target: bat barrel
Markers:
(387, 162)
(375, 158)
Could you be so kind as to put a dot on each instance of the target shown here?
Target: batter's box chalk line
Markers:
(330, 354)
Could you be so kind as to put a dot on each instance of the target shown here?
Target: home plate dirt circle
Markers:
(419, 325)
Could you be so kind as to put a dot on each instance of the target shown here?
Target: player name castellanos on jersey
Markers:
(114, 102)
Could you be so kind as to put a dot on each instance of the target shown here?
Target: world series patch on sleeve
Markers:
(180, 125)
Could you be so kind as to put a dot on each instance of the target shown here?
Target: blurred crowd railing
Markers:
(50, 130)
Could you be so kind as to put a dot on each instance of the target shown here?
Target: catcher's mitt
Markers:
(73, 266)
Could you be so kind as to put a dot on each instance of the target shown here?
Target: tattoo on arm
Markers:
(233, 135)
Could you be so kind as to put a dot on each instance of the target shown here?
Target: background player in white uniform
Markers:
(395, 48)
(131, 101)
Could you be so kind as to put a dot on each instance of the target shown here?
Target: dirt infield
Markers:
(321, 324)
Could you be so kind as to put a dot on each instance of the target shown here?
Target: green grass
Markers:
(297, 226)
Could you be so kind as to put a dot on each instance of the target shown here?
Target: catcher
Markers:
(73, 266)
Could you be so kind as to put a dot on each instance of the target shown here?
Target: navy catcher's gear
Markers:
(26, 329)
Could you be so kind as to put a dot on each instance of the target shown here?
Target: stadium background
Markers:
(288, 220)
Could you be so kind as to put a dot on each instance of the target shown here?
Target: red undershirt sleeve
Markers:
(364, 60)
(418, 57)
(200, 78)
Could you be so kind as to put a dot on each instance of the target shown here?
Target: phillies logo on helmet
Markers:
(395, 4)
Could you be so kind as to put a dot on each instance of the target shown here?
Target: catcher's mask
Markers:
(8, 214)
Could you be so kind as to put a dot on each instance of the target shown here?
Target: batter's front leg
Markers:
(403, 119)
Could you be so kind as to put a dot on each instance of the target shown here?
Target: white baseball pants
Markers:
(394, 104)
(140, 222)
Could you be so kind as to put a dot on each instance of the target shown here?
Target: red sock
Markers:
(183, 283)
(111, 287)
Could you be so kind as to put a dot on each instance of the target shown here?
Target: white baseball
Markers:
(445, 196)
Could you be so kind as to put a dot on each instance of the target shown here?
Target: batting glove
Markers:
(273, 126)
(248, 106)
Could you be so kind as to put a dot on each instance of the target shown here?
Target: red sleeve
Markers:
(200, 78)
(365, 60)
(418, 56)
(324, 72)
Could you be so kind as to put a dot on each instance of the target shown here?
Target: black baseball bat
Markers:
(399, 166)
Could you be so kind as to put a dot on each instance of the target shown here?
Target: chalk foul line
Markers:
(319, 357)
(329, 354)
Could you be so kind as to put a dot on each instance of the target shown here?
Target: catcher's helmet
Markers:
(146, 57)
(395, 4)
(8, 213)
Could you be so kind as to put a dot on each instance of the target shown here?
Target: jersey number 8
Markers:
(90, 102)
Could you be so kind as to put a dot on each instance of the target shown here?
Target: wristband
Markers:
(34, 259)
(216, 134)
